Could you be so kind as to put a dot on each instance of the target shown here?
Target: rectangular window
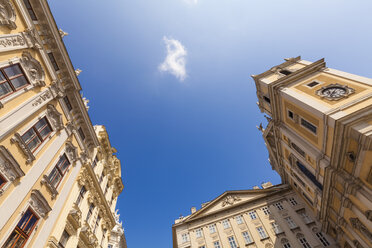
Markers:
(290, 114)
(304, 243)
(199, 233)
(312, 84)
(239, 219)
(30, 10)
(103, 236)
(309, 175)
(293, 201)
(90, 211)
(279, 206)
(266, 210)
(247, 238)
(306, 218)
(82, 192)
(253, 215)
(298, 149)
(285, 72)
(95, 161)
(64, 238)
(322, 239)
(97, 223)
(276, 228)
(185, 237)
(216, 244)
(212, 228)
(12, 79)
(261, 232)
(232, 242)
(67, 103)
(106, 188)
(53, 61)
(56, 175)
(267, 99)
(291, 223)
(308, 125)
(81, 133)
(308, 199)
(37, 134)
(225, 224)
(101, 178)
(287, 245)
(3, 181)
(23, 230)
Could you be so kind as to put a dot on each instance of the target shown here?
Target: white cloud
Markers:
(191, 1)
(175, 61)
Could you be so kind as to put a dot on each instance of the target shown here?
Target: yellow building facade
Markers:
(319, 138)
(273, 216)
(59, 177)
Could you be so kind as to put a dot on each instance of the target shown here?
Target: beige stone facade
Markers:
(273, 216)
(59, 176)
(319, 138)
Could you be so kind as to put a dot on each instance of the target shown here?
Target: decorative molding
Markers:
(45, 181)
(74, 216)
(22, 145)
(36, 74)
(71, 151)
(230, 200)
(87, 231)
(39, 203)
(9, 167)
(54, 117)
(358, 225)
(47, 95)
(323, 92)
(53, 242)
(33, 39)
(12, 42)
(57, 89)
(71, 230)
(7, 14)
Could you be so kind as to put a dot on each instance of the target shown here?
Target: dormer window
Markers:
(285, 72)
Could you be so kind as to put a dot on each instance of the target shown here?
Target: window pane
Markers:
(63, 163)
(55, 177)
(13, 70)
(5, 88)
(2, 77)
(29, 135)
(34, 143)
(45, 132)
(19, 82)
(30, 224)
(40, 124)
(20, 242)
(11, 240)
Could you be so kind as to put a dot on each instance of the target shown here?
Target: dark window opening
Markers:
(64, 238)
(30, 10)
(290, 114)
(308, 125)
(81, 133)
(2, 181)
(312, 84)
(285, 72)
(55, 177)
(53, 61)
(82, 192)
(37, 134)
(68, 103)
(267, 99)
(309, 175)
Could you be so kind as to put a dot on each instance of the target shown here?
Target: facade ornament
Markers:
(39, 203)
(62, 33)
(7, 14)
(42, 98)
(71, 151)
(12, 41)
(45, 181)
(22, 145)
(230, 200)
(32, 39)
(9, 167)
(57, 89)
(86, 101)
(70, 228)
(84, 157)
(53, 242)
(54, 117)
(260, 128)
(70, 128)
(358, 225)
(74, 216)
(34, 69)
(77, 72)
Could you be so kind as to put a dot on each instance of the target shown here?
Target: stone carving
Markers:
(57, 89)
(42, 98)
(53, 242)
(230, 200)
(7, 14)
(74, 216)
(35, 70)
(9, 166)
(84, 157)
(22, 145)
(33, 39)
(54, 117)
(358, 225)
(62, 33)
(77, 72)
(13, 40)
(71, 151)
(89, 234)
(39, 203)
(45, 181)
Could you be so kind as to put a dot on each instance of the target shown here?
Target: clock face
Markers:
(334, 91)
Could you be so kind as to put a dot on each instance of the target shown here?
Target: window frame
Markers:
(293, 201)
(59, 170)
(232, 242)
(30, 10)
(247, 238)
(239, 219)
(53, 61)
(67, 102)
(313, 81)
(81, 195)
(4, 179)
(37, 134)
(291, 223)
(198, 233)
(227, 222)
(216, 244)
(212, 227)
(322, 239)
(266, 210)
(261, 232)
(310, 125)
(279, 206)
(65, 239)
(8, 79)
(252, 214)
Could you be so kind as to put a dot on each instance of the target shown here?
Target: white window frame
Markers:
(276, 228)
(232, 242)
(216, 244)
(323, 239)
(212, 228)
(198, 233)
(226, 224)
(261, 232)
(306, 218)
(185, 237)
(247, 237)
(239, 219)
(304, 242)
(253, 215)
(291, 223)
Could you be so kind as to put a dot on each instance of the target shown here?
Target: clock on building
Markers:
(335, 91)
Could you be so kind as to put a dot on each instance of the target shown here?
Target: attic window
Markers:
(81, 133)
(266, 99)
(53, 61)
(312, 84)
(285, 72)
(30, 10)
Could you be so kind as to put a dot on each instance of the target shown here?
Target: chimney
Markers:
(266, 185)
(193, 210)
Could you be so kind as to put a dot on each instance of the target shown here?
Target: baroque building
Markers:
(59, 176)
(273, 216)
(319, 138)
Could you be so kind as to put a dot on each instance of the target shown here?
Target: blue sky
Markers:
(185, 134)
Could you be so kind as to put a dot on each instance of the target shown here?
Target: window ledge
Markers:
(264, 238)
(251, 243)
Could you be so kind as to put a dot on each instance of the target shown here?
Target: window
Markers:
(306, 218)
(81, 133)
(67, 103)
(261, 232)
(252, 214)
(267, 99)
(290, 114)
(95, 161)
(266, 210)
(308, 198)
(298, 149)
(293, 201)
(216, 244)
(309, 175)
(106, 188)
(2, 181)
(30, 10)
(199, 233)
(286, 245)
(239, 219)
(212, 228)
(279, 206)
(64, 238)
(56, 175)
(53, 61)
(247, 238)
(276, 228)
(97, 223)
(232, 242)
(37, 134)
(90, 211)
(82, 192)
(304, 243)
(312, 84)
(322, 239)
(12, 79)
(308, 125)
(109, 246)
(103, 236)
(225, 224)
(290, 222)
(23, 230)
(101, 177)
(285, 72)
(185, 237)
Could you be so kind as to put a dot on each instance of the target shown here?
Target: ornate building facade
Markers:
(319, 138)
(59, 177)
(273, 216)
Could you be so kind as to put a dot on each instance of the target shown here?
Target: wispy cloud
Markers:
(191, 1)
(175, 61)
